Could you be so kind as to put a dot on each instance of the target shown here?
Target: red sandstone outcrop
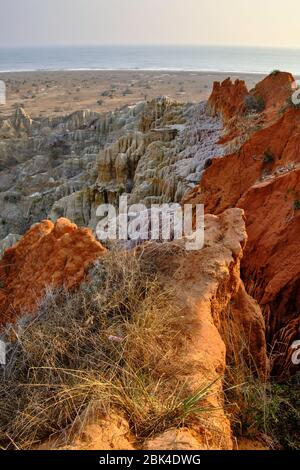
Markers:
(271, 264)
(269, 151)
(227, 99)
(47, 255)
(274, 91)
(244, 111)
(232, 99)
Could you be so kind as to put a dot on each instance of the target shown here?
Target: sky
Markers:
(273, 23)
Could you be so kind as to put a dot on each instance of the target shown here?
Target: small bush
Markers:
(208, 163)
(261, 409)
(275, 72)
(107, 93)
(297, 204)
(127, 91)
(268, 157)
(258, 408)
(254, 104)
(271, 410)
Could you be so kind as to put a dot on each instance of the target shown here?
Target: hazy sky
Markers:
(228, 22)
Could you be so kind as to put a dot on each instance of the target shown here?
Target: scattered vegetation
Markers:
(268, 157)
(107, 93)
(254, 104)
(270, 411)
(58, 147)
(297, 205)
(127, 91)
(275, 72)
(208, 163)
(112, 343)
(259, 409)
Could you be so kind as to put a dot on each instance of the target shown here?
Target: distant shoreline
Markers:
(170, 71)
(165, 70)
(205, 59)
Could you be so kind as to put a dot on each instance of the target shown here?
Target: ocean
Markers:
(191, 58)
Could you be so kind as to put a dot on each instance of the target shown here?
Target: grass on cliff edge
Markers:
(112, 343)
(261, 409)
(272, 412)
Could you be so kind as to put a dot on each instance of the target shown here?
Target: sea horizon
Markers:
(208, 58)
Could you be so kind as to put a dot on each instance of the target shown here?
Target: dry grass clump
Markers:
(111, 342)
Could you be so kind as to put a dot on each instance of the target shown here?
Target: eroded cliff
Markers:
(262, 177)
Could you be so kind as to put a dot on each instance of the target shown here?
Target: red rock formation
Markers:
(274, 91)
(235, 104)
(271, 263)
(267, 151)
(227, 99)
(47, 255)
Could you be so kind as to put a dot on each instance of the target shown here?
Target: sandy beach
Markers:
(56, 93)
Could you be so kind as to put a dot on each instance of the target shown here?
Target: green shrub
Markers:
(273, 410)
(254, 104)
(268, 157)
(297, 204)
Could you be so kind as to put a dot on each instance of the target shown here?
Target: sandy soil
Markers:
(56, 93)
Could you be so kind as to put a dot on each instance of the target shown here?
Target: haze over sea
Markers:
(191, 58)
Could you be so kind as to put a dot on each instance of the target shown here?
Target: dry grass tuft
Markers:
(113, 342)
